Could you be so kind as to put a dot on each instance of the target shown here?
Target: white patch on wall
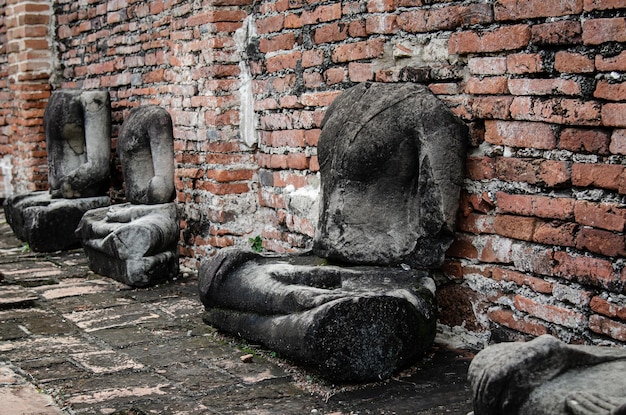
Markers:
(247, 123)
(6, 169)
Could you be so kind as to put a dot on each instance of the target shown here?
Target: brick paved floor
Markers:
(74, 342)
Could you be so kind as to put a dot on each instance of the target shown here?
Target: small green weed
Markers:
(256, 243)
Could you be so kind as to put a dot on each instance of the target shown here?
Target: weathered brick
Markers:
(558, 315)
(480, 168)
(608, 327)
(522, 324)
(516, 227)
(557, 110)
(610, 91)
(444, 18)
(520, 86)
(601, 242)
(520, 134)
(524, 63)
(611, 63)
(611, 217)
(591, 5)
(608, 308)
(503, 38)
(606, 176)
(618, 142)
(358, 50)
(534, 205)
(476, 223)
(556, 233)
(586, 270)
(487, 85)
(585, 140)
(519, 10)
(487, 65)
(536, 284)
(598, 31)
(550, 172)
(571, 62)
(563, 32)
(614, 115)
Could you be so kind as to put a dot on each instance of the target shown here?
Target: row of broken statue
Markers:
(359, 306)
(135, 242)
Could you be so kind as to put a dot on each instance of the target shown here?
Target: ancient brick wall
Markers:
(540, 246)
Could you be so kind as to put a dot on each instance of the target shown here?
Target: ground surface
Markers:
(74, 342)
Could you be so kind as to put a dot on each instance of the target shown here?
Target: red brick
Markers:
(358, 50)
(284, 41)
(557, 110)
(604, 4)
(503, 38)
(334, 76)
(520, 86)
(520, 134)
(476, 223)
(607, 308)
(480, 168)
(319, 99)
(323, 13)
(550, 172)
(381, 24)
(585, 270)
(444, 88)
(618, 142)
(487, 85)
(492, 107)
(473, 202)
(444, 18)
(601, 242)
(360, 72)
(614, 115)
(292, 21)
(536, 284)
(269, 24)
(516, 227)
(462, 247)
(283, 61)
(496, 249)
(223, 188)
(606, 176)
(520, 10)
(608, 327)
(525, 325)
(570, 62)
(533, 205)
(312, 58)
(554, 314)
(598, 31)
(564, 32)
(524, 63)
(591, 141)
(612, 63)
(610, 91)
(332, 32)
(556, 233)
(377, 6)
(607, 216)
(487, 65)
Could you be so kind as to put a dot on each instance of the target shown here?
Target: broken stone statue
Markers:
(361, 305)
(77, 127)
(137, 242)
(548, 377)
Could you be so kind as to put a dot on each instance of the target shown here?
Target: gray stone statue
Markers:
(361, 305)
(548, 377)
(77, 126)
(137, 242)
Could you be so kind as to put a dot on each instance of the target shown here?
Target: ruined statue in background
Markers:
(77, 126)
(137, 242)
(361, 305)
(548, 377)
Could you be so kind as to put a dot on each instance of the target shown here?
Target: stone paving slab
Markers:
(75, 342)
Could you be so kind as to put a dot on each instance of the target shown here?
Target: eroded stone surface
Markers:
(548, 377)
